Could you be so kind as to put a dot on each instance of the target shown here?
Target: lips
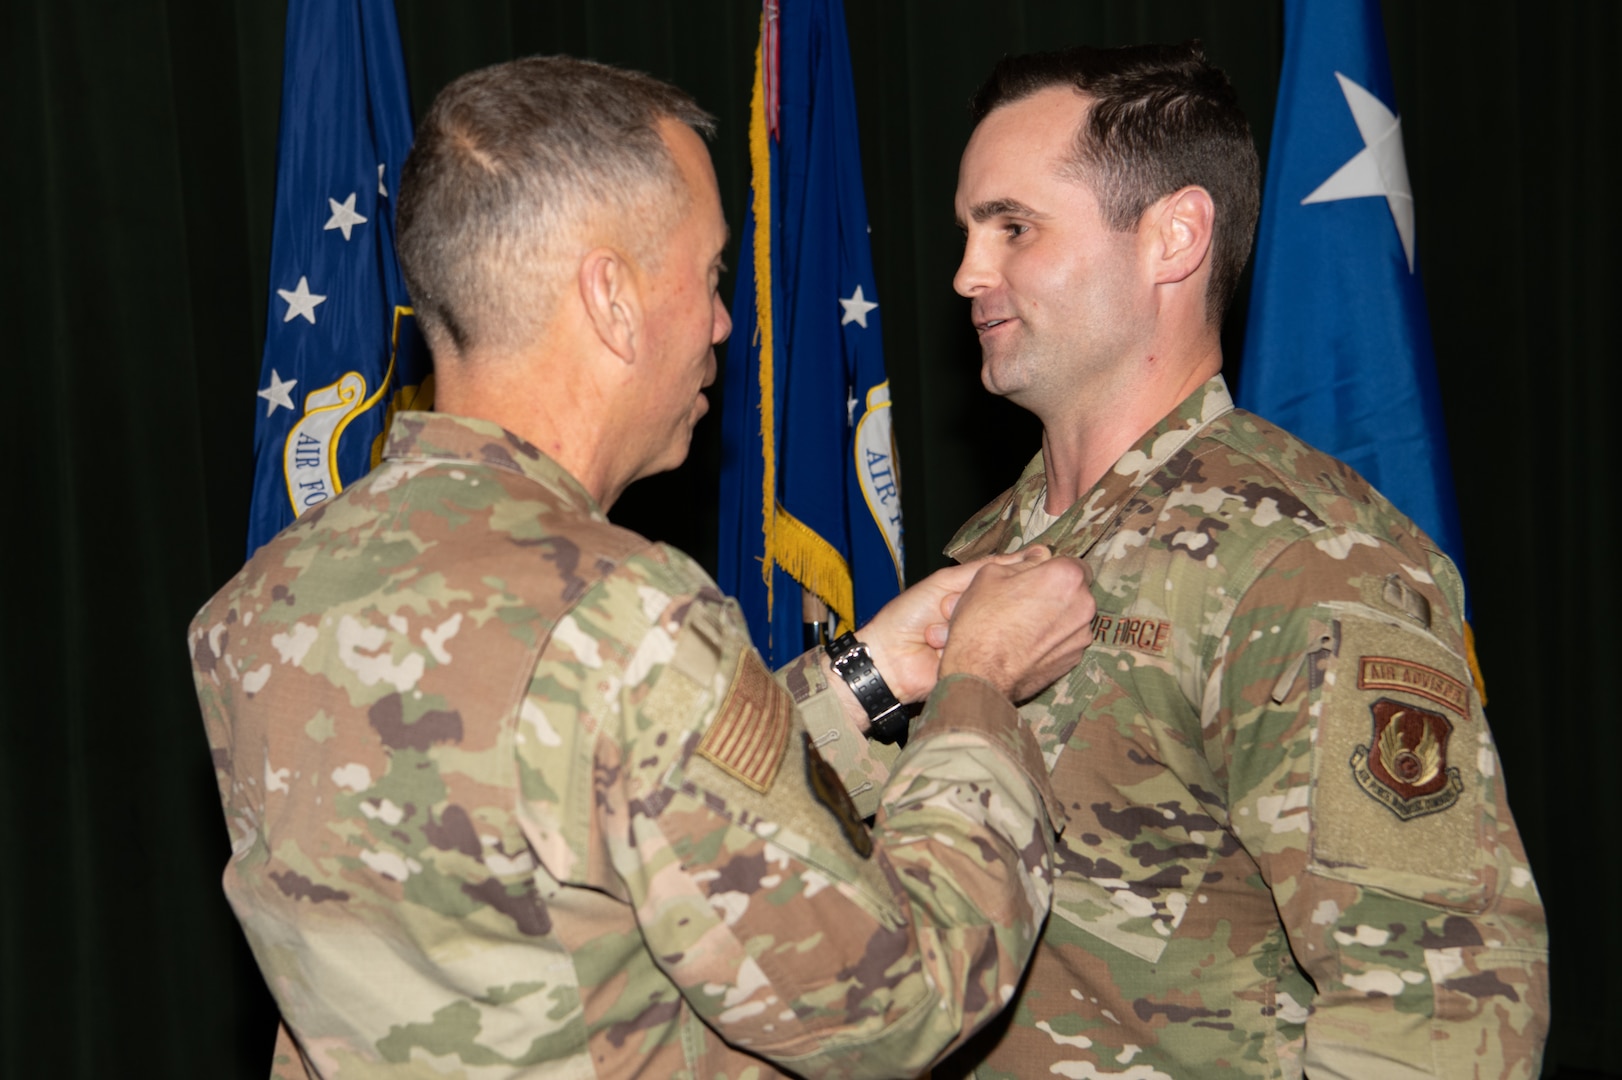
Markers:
(985, 321)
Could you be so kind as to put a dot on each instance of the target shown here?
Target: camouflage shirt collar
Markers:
(431, 436)
(998, 527)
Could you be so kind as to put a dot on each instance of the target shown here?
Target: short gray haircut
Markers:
(510, 167)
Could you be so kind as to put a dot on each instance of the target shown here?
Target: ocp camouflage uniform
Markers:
(1288, 845)
(511, 794)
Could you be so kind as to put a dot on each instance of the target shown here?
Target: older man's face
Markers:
(685, 318)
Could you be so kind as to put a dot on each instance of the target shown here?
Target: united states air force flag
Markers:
(341, 348)
(1338, 348)
(810, 493)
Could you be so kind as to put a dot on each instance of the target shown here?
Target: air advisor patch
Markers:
(1396, 789)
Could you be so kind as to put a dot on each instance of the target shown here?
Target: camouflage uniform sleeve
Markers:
(789, 927)
(287, 1062)
(1364, 780)
(862, 764)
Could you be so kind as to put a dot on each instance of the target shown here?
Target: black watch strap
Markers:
(886, 716)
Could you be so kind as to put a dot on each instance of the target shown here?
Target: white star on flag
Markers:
(278, 393)
(381, 190)
(856, 308)
(344, 216)
(1378, 169)
(301, 301)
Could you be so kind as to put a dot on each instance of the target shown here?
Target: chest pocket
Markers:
(1139, 842)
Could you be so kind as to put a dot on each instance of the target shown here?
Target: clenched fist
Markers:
(1021, 624)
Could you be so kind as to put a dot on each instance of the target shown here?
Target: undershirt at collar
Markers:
(1034, 519)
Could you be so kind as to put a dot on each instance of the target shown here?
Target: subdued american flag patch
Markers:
(750, 735)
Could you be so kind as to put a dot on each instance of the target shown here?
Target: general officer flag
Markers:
(810, 493)
(1338, 348)
(341, 348)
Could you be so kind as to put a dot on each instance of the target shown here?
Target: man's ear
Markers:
(611, 292)
(1182, 224)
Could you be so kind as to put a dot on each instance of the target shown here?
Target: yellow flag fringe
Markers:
(1475, 664)
(760, 165)
(817, 565)
(788, 542)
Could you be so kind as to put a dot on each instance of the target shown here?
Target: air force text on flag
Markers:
(810, 494)
(342, 351)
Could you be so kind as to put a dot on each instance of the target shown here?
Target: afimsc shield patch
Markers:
(750, 735)
(1405, 765)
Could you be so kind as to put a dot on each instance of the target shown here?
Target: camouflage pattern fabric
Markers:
(862, 764)
(1289, 849)
(510, 794)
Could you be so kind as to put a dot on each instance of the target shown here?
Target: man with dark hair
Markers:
(1289, 850)
(510, 792)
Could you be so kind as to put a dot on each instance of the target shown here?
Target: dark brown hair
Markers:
(1162, 119)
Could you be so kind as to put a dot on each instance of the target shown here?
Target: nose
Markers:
(974, 273)
(722, 324)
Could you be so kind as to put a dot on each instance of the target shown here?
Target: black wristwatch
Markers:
(887, 717)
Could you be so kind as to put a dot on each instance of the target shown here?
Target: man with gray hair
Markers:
(510, 792)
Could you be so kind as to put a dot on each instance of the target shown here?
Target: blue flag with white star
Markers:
(342, 351)
(1338, 346)
(810, 491)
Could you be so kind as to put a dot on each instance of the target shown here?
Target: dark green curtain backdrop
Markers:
(134, 239)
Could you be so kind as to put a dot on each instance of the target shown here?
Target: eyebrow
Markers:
(985, 211)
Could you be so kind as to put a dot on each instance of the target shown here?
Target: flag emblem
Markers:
(342, 352)
(749, 736)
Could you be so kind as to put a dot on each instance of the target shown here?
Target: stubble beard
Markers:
(1011, 370)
